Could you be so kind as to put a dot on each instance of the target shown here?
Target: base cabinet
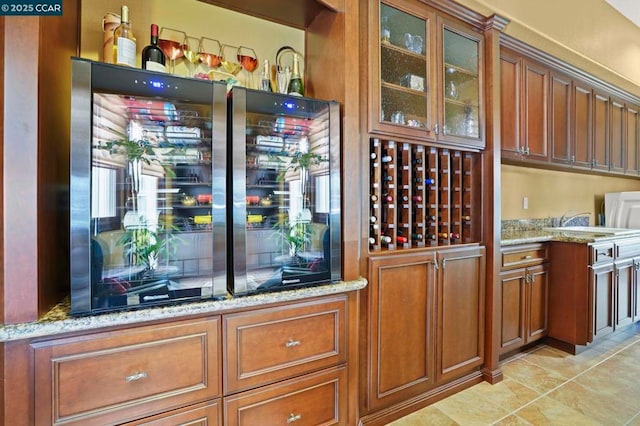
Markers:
(524, 290)
(120, 376)
(594, 292)
(424, 323)
(281, 364)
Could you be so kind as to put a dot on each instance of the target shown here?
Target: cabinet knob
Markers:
(291, 343)
(436, 129)
(136, 376)
(527, 256)
(293, 418)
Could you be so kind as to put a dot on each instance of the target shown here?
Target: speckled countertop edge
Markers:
(59, 321)
(516, 237)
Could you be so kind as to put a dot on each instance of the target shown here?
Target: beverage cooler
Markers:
(285, 188)
(147, 188)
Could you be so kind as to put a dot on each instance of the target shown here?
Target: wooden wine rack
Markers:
(422, 196)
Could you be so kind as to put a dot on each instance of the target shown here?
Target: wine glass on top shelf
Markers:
(170, 41)
(190, 50)
(229, 66)
(206, 56)
(249, 62)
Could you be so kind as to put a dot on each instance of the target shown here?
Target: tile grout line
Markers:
(563, 383)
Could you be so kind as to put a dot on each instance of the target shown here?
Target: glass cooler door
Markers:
(285, 186)
(154, 216)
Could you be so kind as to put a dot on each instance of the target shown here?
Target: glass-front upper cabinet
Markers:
(461, 80)
(403, 100)
(426, 75)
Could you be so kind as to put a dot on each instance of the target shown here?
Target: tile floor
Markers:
(546, 386)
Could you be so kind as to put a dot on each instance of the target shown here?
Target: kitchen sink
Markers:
(600, 230)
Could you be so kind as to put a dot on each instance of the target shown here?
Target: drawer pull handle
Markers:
(528, 256)
(136, 376)
(291, 343)
(293, 418)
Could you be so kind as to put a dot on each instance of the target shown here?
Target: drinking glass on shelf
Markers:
(170, 41)
(205, 52)
(248, 62)
(229, 66)
(190, 50)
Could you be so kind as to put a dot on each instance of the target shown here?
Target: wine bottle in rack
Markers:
(466, 218)
(429, 181)
(373, 219)
(372, 241)
(449, 236)
(432, 237)
(374, 198)
(386, 159)
(374, 155)
(402, 240)
(417, 198)
(385, 239)
(405, 198)
(417, 237)
(387, 178)
(152, 56)
(387, 198)
(417, 161)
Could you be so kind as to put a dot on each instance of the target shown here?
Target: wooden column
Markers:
(492, 208)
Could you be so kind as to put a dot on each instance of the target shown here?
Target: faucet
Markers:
(565, 219)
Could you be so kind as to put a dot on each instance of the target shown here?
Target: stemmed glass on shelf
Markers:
(229, 66)
(206, 56)
(190, 47)
(249, 63)
(171, 41)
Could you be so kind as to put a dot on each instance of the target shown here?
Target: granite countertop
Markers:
(58, 320)
(524, 236)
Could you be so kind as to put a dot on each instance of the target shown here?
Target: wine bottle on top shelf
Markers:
(124, 42)
(296, 88)
(152, 56)
(265, 79)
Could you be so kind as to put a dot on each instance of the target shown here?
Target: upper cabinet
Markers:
(426, 75)
(552, 116)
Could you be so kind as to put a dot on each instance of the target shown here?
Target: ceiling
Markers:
(629, 8)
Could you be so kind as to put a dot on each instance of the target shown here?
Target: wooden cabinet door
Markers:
(460, 312)
(601, 298)
(582, 121)
(513, 310)
(510, 68)
(402, 96)
(618, 135)
(623, 292)
(559, 120)
(534, 112)
(401, 356)
(632, 143)
(600, 132)
(537, 302)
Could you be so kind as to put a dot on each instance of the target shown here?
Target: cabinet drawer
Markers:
(276, 343)
(315, 399)
(125, 375)
(525, 255)
(208, 414)
(627, 248)
(601, 253)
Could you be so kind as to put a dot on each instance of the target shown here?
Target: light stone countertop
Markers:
(515, 237)
(58, 320)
